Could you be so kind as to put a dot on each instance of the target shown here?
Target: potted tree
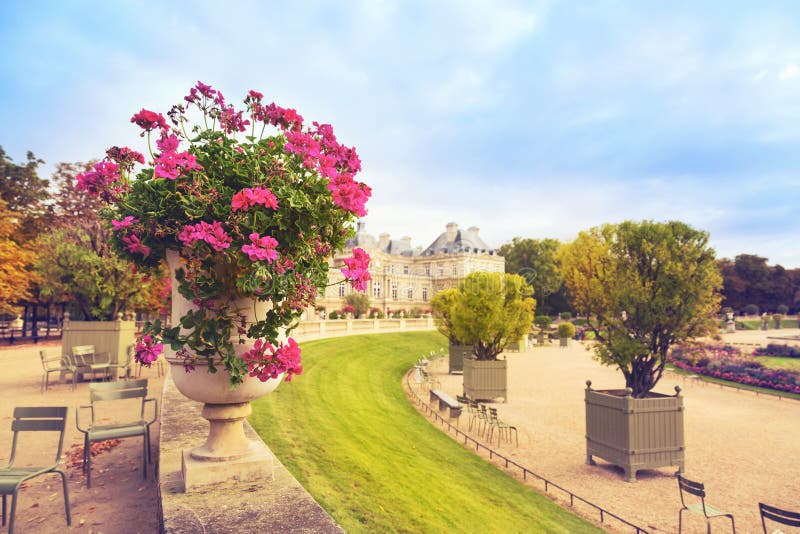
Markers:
(543, 322)
(566, 330)
(643, 287)
(442, 306)
(491, 311)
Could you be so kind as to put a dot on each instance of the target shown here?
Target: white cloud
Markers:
(789, 72)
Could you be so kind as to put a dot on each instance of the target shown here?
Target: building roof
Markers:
(453, 241)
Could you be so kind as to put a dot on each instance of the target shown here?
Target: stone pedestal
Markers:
(256, 464)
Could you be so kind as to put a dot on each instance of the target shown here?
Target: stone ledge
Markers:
(280, 504)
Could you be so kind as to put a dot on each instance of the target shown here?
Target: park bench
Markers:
(446, 401)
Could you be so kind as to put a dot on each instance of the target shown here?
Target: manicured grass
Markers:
(792, 364)
(347, 432)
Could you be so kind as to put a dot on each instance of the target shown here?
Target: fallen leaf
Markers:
(81, 522)
(35, 505)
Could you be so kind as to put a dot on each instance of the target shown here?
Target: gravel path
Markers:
(745, 448)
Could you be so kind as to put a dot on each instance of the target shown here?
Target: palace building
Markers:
(406, 278)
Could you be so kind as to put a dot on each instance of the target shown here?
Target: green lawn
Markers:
(792, 364)
(347, 432)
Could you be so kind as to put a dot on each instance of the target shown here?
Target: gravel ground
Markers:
(744, 447)
(119, 501)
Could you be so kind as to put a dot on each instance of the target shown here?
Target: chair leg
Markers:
(733, 525)
(88, 452)
(13, 510)
(41, 388)
(4, 509)
(66, 496)
(680, 520)
(144, 456)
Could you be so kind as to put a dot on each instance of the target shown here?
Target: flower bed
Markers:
(780, 351)
(728, 363)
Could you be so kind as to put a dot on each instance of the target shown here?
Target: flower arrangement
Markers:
(253, 202)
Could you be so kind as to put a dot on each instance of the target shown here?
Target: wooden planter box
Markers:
(633, 433)
(113, 337)
(457, 357)
(486, 380)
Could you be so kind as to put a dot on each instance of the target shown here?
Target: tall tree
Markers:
(644, 286)
(537, 261)
(25, 193)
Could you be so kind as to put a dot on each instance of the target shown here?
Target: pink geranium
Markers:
(357, 270)
(261, 249)
(124, 223)
(149, 120)
(147, 351)
(134, 245)
(214, 234)
(267, 362)
(248, 197)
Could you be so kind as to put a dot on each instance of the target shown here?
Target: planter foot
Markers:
(590, 460)
(630, 475)
(258, 465)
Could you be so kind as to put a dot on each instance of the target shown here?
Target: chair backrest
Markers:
(83, 350)
(783, 517)
(106, 391)
(492, 414)
(694, 488)
(45, 363)
(39, 419)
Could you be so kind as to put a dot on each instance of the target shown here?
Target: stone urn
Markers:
(224, 407)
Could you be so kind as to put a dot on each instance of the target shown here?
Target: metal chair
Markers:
(55, 365)
(33, 419)
(113, 391)
(124, 366)
(502, 427)
(702, 508)
(784, 517)
(85, 358)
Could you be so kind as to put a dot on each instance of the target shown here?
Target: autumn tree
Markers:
(16, 276)
(644, 287)
(25, 193)
(491, 311)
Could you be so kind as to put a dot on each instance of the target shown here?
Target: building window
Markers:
(455, 269)
(394, 292)
(405, 269)
(376, 290)
(441, 271)
(428, 270)
(411, 292)
(425, 294)
(341, 289)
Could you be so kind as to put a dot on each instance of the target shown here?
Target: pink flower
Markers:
(149, 120)
(255, 95)
(146, 352)
(213, 234)
(350, 195)
(357, 271)
(168, 143)
(262, 248)
(124, 223)
(124, 156)
(133, 245)
(266, 362)
(248, 197)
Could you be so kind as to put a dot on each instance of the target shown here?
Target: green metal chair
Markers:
(502, 428)
(701, 508)
(784, 517)
(55, 365)
(86, 359)
(33, 419)
(125, 366)
(114, 391)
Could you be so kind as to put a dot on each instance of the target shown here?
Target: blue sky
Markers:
(533, 119)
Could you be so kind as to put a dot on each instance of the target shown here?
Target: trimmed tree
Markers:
(644, 287)
(442, 307)
(359, 302)
(491, 311)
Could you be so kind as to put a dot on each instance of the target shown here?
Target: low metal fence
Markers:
(509, 463)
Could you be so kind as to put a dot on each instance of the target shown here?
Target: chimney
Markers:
(451, 232)
(473, 230)
(383, 241)
(406, 241)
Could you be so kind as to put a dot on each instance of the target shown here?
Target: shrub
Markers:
(333, 315)
(579, 321)
(566, 316)
(375, 313)
(416, 312)
(566, 330)
(783, 309)
(359, 302)
(542, 321)
(751, 309)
